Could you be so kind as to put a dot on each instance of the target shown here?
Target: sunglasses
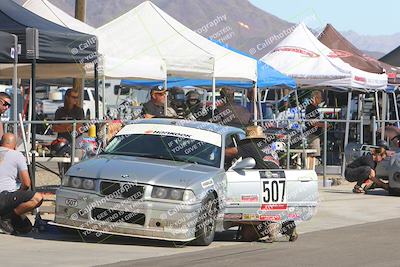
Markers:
(5, 103)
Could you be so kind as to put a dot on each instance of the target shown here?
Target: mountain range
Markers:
(237, 23)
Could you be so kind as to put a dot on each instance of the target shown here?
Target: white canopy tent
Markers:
(148, 31)
(112, 66)
(153, 32)
(302, 56)
(47, 10)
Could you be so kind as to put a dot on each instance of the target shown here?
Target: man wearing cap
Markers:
(5, 104)
(255, 146)
(231, 113)
(155, 106)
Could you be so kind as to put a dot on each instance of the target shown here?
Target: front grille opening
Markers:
(107, 188)
(113, 216)
(122, 190)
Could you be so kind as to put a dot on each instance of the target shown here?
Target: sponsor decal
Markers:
(282, 206)
(233, 216)
(172, 134)
(250, 217)
(272, 218)
(360, 79)
(336, 53)
(293, 216)
(249, 198)
(207, 183)
(70, 202)
(148, 132)
(298, 50)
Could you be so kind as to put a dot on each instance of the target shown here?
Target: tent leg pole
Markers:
(15, 86)
(103, 93)
(384, 111)
(396, 109)
(255, 96)
(166, 97)
(260, 108)
(213, 96)
(96, 90)
(302, 134)
(33, 128)
(346, 133)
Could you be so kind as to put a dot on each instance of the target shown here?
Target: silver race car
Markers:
(168, 179)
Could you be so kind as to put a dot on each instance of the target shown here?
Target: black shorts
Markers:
(11, 200)
(358, 174)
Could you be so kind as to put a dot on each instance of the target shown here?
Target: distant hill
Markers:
(380, 43)
(237, 23)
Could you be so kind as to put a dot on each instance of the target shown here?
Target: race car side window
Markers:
(231, 141)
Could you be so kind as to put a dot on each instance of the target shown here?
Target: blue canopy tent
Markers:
(268, 77)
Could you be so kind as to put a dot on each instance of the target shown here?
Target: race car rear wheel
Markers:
(205, 227)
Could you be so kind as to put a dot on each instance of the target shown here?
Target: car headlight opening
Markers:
(170, 193)
(79, 183)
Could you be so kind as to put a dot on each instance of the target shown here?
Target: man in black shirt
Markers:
(231, 113)
(70, 111)
(363, 168)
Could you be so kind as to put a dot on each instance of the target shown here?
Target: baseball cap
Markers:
(158, 89)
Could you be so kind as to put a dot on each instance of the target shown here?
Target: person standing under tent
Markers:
(154, 108)
(231, 113)
(5, 104)
(314, 126)
(70, 111)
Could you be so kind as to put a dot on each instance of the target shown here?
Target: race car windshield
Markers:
(166, 147)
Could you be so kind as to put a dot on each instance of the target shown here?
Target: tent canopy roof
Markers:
(154, 33)
(111, 67)
(47, 10)
(345, 50)
(301, 56)
(7, 47)
(57, 44)
(392, 58)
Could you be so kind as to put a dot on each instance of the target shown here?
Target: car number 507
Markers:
(274, 191)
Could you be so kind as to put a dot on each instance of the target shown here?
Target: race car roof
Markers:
(212, 127)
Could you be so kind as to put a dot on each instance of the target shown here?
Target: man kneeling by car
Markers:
(14, 201)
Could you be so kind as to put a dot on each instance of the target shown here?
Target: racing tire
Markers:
(394, 191)
(206, 223)
(294, 236)
(289, 229)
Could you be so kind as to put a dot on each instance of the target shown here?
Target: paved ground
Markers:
(372, 244)
(338, 208)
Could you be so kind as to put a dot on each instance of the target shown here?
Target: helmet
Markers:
(60, 147)
(383, 144)
(192, 95)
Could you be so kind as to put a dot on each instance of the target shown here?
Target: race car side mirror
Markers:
(247, 163)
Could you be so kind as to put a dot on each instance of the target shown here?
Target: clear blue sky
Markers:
(364, 17)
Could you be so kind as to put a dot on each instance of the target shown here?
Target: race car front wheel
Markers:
(205, 227)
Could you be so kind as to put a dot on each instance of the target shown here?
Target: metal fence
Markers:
(375, 124)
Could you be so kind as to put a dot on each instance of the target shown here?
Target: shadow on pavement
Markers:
(54, 233)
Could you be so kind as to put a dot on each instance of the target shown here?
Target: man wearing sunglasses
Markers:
(5, 104)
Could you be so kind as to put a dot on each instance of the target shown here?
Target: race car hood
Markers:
(144, 171)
